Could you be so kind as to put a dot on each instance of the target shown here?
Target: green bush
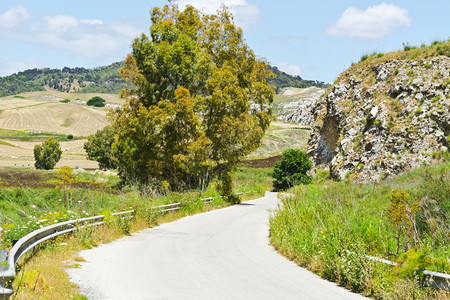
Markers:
(291, 170)
(47, 154)
(96, 101)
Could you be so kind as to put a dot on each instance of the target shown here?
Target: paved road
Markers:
(223, 254)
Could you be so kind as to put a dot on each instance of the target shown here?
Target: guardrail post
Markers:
(6, 276)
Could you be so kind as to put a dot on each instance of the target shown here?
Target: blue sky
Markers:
(314, 39)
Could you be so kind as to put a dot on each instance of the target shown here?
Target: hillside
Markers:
(385, 115)
(30, 118)
(99, 80)
(102, 80)
(294, 105)
(282, 80)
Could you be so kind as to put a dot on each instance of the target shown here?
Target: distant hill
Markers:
(81, 80)
(282, 80)
(103, 80)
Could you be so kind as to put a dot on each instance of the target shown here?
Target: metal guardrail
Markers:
(433, 279)
(31, 240)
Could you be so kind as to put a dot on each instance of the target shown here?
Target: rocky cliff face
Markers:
(299, 109)
(383, 116)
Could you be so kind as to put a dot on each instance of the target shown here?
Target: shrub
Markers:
(47, 154)
(96, 101)
(291, 170)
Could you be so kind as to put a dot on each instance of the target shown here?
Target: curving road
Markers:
(222, 254)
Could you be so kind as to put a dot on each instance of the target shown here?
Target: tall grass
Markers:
(330, 227)
(253, 182)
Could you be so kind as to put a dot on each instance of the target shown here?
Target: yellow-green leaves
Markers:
(200, 103)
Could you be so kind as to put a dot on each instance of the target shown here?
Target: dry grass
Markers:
(110, 98)
(279, 137)
(65, 118)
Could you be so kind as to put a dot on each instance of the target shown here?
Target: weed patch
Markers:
(330, 227)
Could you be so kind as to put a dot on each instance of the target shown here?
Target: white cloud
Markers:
(91, 39)
(372, 23)
(245, 13)
(92, 22)
(13, 16)
(292, 69)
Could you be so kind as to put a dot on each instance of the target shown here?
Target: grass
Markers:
(8, 144)
(23, 135)
(253, 182)
(280, 137)
(329, 227)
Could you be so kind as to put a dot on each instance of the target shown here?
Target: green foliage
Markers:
(189, 119)
(96, 101)
(25, 135)
(407, 47)
(291, 170)
(283, 79)
(47, 154)
(332, 226)
(253, 181)
(98, 80)
(375, 54)
(402, 213)
(65, 101)
(436, 98)
(98, 147)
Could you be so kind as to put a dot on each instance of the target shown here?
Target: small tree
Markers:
(47, 154)
(291, 170)
(96, 101)
(65, 181)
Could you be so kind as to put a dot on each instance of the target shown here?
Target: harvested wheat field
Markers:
(24, 120)
(57, 117)
(56, 96)
(20, 155)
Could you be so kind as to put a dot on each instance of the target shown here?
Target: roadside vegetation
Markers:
(329, 227)
(68, 194)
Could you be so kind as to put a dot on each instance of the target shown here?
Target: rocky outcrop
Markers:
(383, 117)
(299, 109)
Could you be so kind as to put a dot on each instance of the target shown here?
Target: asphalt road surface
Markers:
(222, 254)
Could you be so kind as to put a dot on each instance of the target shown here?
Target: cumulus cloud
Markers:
(13, 16)
(372, 23)
(292, 69)
(92, 39)
(245, 13)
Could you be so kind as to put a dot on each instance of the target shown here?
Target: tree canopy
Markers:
(98, 147)
(47, 154)
(96, 101)
(291, 170)
(200, 103)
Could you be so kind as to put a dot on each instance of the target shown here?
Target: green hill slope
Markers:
(102, 80)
